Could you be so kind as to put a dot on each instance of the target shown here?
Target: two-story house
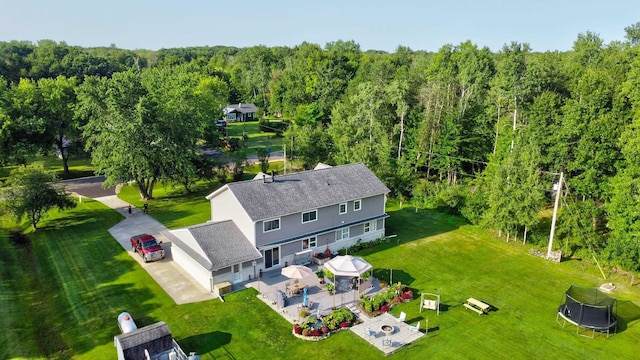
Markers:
(239, 112)
(263, 224)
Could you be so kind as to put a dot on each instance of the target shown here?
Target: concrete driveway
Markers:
(176, 282)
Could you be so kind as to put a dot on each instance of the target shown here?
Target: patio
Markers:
(387, 343)
(321, 302)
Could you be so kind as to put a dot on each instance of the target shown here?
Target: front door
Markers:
(237, 273)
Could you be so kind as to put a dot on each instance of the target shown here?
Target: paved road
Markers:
(90, 187)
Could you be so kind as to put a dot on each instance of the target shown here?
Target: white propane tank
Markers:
(126, 323)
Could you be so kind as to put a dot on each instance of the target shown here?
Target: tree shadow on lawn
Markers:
(410, 225)
(628, 312)
(398, 276)
(205, 343)
(80, 219)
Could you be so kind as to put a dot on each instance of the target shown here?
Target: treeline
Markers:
(480, 134)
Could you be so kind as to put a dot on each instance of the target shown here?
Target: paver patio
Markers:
(322, 302)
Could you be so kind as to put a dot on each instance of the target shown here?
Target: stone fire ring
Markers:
(387, 329)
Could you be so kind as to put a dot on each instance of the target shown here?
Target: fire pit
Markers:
(387, 329)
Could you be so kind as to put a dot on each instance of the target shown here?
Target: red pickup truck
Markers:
(148, 247)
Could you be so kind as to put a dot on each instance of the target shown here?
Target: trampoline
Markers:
(589, 309)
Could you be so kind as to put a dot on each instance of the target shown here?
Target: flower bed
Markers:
(314, 329)
(382, 302)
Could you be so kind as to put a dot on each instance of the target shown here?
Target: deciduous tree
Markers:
(31, 191)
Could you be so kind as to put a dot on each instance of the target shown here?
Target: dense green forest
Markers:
(472, 132)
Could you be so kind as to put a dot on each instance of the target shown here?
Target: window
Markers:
(309, 216)
(309, 243)
(342, 208)
(231, 116)
(271, 225)
(357, 205)
(342, 234)
(370, 226)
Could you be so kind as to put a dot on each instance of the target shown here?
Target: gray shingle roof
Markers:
(155, 338)
(222, 242)
(293, 193)
(243, 108)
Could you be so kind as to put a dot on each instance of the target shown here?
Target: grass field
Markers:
(61, 298)
(78, 167)
(256, 138)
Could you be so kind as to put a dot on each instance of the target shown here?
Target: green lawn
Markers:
(78, 167)
(256, 138)
(62, 298)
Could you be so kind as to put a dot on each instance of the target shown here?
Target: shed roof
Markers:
(155, 338)
(306, 190)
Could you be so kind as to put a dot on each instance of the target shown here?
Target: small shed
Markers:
(155, 339)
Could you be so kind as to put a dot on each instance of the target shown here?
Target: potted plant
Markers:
(303, 313)
(320, 275)
(330, 288)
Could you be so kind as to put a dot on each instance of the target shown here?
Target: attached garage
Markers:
(210, 252)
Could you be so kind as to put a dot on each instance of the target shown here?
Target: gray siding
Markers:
(328, 217)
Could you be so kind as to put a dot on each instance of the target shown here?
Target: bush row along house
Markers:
(265, 224)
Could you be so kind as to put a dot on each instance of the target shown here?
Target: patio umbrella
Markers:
(296, 272)
(304, 298)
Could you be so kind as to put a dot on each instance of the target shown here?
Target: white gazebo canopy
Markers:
(347, 265)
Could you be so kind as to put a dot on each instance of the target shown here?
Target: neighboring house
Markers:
(263, 224)
(240, 112)
(155, 340)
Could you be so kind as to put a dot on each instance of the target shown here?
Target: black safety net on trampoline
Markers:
(589, 308)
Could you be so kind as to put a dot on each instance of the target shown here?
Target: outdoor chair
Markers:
(415, 328)
(402, 317)
(370, 333)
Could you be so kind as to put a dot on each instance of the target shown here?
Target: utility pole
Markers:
(555, 213)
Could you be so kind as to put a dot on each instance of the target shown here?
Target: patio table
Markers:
(295, 289)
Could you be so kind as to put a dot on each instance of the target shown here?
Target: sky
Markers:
(546, 25)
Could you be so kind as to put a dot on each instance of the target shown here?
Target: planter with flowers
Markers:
(383, 301)
(314, 330)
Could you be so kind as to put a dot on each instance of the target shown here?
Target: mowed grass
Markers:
(256, 138)
(64, 300)
(458, 261)
(78, 167)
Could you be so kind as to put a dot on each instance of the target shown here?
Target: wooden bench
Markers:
(477, 306)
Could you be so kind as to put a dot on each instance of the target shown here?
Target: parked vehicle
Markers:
(147, 246)
(221, 124)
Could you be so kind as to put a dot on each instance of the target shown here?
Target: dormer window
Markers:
(342, 208)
